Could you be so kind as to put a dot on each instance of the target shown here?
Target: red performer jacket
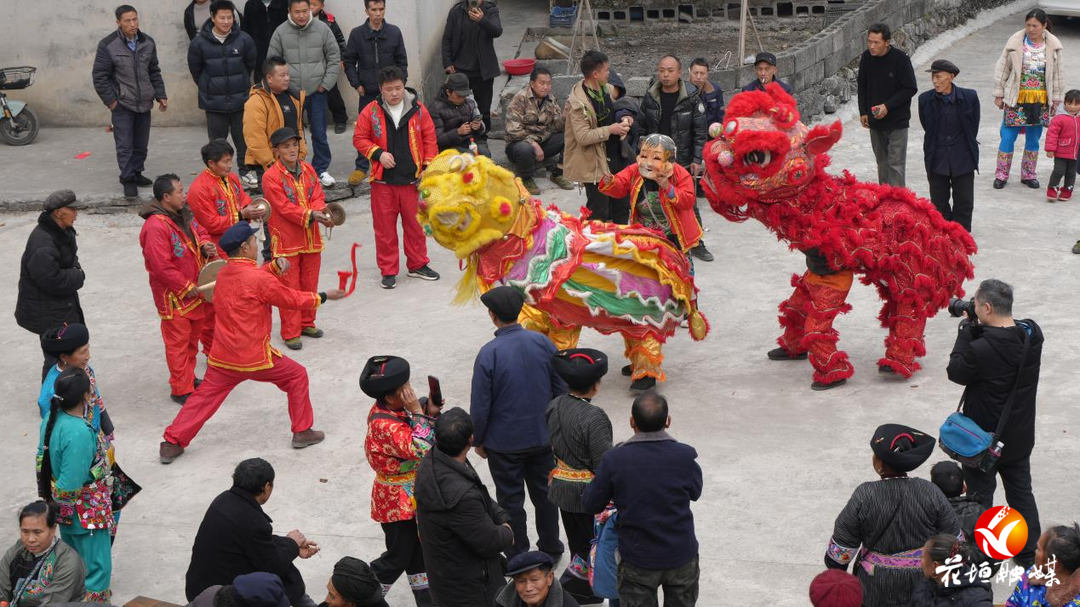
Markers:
(216, 203)
(291, 229)
(396, 442)
(242, 300)
(173, 262)
(370, 135)
(679, 209)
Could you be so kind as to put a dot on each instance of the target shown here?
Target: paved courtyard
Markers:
(779, 460)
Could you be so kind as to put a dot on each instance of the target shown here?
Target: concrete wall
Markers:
(60, 39)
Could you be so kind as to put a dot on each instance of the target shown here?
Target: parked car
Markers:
(1060, 8)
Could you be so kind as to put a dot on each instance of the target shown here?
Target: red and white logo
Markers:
(1001, 533)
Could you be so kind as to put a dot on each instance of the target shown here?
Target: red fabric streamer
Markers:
(346, 278)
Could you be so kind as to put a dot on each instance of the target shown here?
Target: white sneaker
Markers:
(326, 180)
(250, 180)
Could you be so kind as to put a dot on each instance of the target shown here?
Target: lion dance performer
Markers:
(766, 164)
(574, 273)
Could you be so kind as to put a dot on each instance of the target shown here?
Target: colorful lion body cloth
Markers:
(574, 273)
(763, 163)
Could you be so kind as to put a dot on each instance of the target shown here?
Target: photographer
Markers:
(985, 359)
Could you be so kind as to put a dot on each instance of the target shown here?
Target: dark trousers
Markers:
(512, 473)
(483, 93)
(523, 157)
(961, 188)
(131, 132)
(1016, 477)
(615, 210)
(295, 589)
(1063, 168)
(637, 586)
(362, 163)
(336, 105)
(403, 555)
(579, 535)
(50, 362)
(219, 125)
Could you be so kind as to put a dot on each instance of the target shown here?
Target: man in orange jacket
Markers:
(296, 197)
(175, 247)
(395, 132)
(242, 351)
(216, 198)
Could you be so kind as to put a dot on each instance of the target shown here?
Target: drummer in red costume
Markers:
(175, 247)
(216, 198)
(242, 351)
(296, 198)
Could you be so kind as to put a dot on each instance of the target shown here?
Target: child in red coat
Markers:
(1062, 141)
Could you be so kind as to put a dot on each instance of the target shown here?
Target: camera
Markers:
(958, 308)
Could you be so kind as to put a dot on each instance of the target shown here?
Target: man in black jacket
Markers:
(334, 102)
(986, 360)
(371, 47)
(236, 538)
(950, 116)
(886, 85)
(128, 80)
(468, 47)
(221, 59)
(196, 14)
(673, 107)
(49, 274)
(260, 21)
(462, 530)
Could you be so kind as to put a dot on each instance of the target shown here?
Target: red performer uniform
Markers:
(173, 257)
(677, 202)
(413, 145)
(242, 351)
(293, 234)
(216, 203)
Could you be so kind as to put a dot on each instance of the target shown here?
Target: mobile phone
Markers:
(435, 398)
(474, 4)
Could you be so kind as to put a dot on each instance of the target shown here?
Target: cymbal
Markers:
(264, 204)
(208, 278)
(336, 212)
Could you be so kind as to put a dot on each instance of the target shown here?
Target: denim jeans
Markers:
(318, 112)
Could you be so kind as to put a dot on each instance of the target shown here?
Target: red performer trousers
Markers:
(387, 203)
(288, 375)
(207, 337)
(303, 275)
(181, 335)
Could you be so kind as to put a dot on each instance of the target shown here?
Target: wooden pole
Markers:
(742, 32)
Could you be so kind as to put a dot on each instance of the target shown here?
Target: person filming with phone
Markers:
(996, 359)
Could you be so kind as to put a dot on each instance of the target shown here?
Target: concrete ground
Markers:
(779, 460)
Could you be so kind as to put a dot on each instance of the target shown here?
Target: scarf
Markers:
(1063, 593)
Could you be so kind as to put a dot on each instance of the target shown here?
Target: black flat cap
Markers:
(766, 57)
(580, 368)
(60, 199)
(527, 561)
(505, 302)
(383, 374)
(282, 135)
(943, 65)
(902, 448)
(235, 236)
(459, 83)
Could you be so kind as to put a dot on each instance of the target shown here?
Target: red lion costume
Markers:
(766, 164)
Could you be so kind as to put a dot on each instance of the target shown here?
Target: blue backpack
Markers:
(603, 566)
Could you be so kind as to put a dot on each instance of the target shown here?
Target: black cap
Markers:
(235, 236)
(943, 65)
(902, 448)
(527, 561)
(580, 368)
(505, 302)
(766, 57)
(459, 83)
(282, 135)
(383, 374)
(260, 589)
(65, 338)
(60, 199)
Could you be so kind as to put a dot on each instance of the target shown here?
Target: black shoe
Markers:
(627, 371)
(1031, 183)
(142, 181)
(701, 252)
(131, 190)
(424, 273)
(389, 282)
(179, 399)
(999, 183)
(819, 387)
(339, 128)
(645, 383)
(782, 354)
(886, 370)
(198, 382)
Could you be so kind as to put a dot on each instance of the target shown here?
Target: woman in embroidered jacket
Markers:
(580, 435)
(886, 523)
(74, 473)
(40, 569)
(398, 437)
(1056, 558)
(70, 344)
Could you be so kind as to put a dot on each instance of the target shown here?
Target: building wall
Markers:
(60, 39)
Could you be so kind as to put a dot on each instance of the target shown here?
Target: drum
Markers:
(208, 278)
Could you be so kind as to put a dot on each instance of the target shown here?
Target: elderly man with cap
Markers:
(243, 295)
(950, 116)
(399, 434)
(353, 584)
(175, 248)
(580, 436)
(457, 118)
(296, 198)
(49, 274)
(513, 382)
(886, 522)
(259, 589)
(533, 584)
(765, 70)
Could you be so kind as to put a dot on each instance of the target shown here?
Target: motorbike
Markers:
(18, 123)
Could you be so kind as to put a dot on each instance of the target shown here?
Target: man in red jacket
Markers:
(242, 350)
(296, 198)
(396, 134)
(216, 198)
(175, 247)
